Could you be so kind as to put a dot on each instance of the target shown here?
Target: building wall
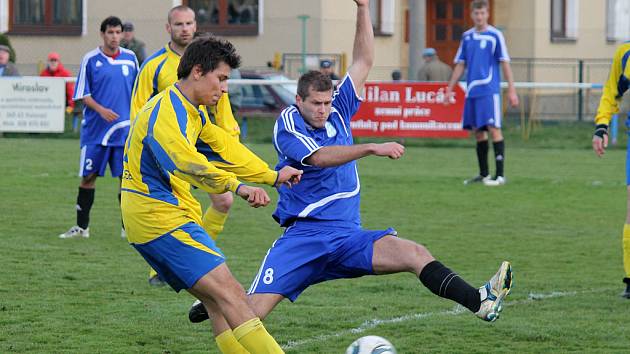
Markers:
(148, 16)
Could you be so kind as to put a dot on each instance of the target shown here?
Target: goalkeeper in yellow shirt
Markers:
(617, 84)
(162, 218)
(160, 71)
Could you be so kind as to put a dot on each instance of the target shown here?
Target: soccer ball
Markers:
(371, 345)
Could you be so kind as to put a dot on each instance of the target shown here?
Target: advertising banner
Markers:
(32, 104)
(410, 110)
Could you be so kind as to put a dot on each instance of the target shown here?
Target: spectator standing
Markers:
(326, 68)
(54, 68)
(6, 67)
(130, 42)
(433, 69)
(4, 40)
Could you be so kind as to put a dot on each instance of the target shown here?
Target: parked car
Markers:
(265, 100)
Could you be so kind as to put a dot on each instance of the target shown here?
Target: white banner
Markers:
(32, 104)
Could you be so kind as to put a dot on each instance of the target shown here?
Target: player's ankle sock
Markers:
(228, 344)
(445, 283)
(626, 249)
(499, 155)
(254, 337)
(213, 221)
(482, 157)
(85, 199)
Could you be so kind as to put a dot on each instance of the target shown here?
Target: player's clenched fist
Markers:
(600, 139)
(391, 150)
(289, 176)
(256, 197)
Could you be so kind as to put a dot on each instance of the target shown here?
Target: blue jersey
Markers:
(482, 53)
(330, 193)
(109, 81)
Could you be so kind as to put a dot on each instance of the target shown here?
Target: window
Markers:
(618, 20)
(51, 17)
(564, 20)
(227, 17)
(382, 13)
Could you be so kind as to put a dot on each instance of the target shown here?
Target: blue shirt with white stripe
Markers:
(329, 193)
(482, 53)
(109, 81)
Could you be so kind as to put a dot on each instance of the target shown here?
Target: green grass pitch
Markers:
(559, 221)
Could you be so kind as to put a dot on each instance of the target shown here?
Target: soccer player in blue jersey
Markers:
(481, 51)
(323, 238)
(104, 85)
(616, 85)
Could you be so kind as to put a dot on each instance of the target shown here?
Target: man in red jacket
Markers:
(54, 68)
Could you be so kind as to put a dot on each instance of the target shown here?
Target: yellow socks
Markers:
(626, 249)
(228, 344)
(213, 222)
(152, 273)
(254, 337)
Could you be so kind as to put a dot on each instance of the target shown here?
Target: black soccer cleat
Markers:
(197, 312)
(626, 293)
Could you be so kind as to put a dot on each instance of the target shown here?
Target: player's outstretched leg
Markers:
(493, 293)
(393, 255)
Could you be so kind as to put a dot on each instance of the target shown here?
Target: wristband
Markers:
(601, 130)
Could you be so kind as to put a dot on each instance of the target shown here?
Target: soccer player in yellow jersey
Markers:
(617, 84)
(160, 71)
(162, 217)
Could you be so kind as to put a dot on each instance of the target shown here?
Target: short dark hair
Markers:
(208, 52)
(313, 79)
(111, 21)
(479, 4)
(178, 8)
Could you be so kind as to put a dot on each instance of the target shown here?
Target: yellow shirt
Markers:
(160, 71)
(161, 162)
(617, 84)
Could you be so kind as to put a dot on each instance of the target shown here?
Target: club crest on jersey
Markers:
(125, 70)
(330, 130)
(98, 63)
(483, 43)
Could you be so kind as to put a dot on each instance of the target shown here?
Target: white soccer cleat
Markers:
(499, 181)
(494, 292)
(76, 231)
(123, 233)
(477, 179)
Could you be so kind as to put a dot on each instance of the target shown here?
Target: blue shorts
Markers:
(94, 159)
(481, 112)
(312, 252)
(182, 256)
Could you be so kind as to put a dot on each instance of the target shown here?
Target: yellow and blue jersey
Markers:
(161, 162)
(323, 194)
(617, 84)
(160, 71)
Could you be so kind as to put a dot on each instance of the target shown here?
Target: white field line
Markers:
(457, 310)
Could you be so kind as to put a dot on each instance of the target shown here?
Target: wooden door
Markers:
(446, 21)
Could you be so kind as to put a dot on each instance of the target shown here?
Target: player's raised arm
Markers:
(363, 50)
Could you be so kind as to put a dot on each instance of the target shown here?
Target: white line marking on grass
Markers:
(457, 310)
